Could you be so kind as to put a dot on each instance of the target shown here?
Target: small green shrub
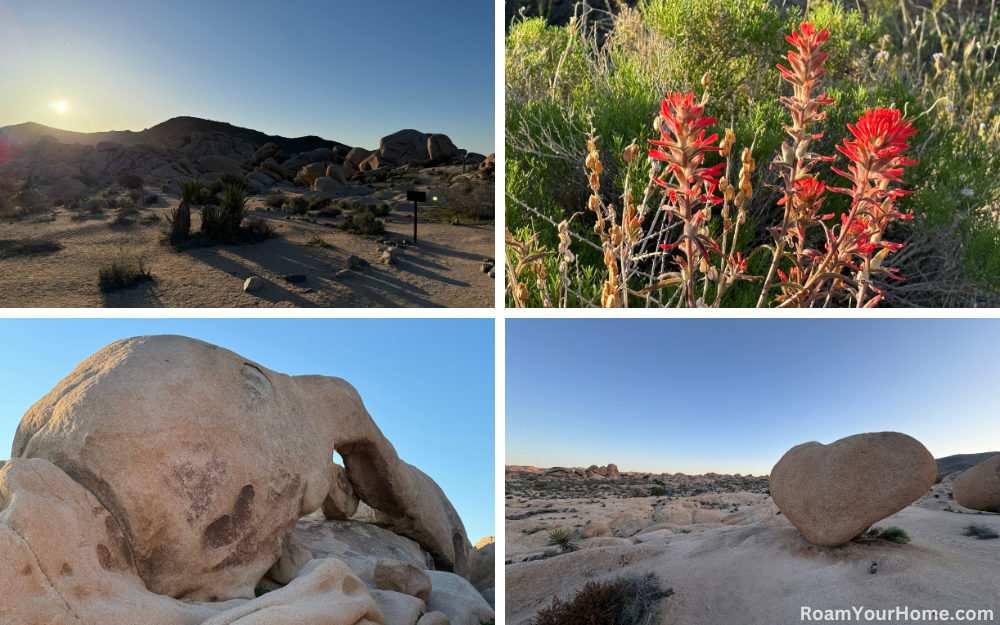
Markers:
(309, 179)
(259, 590)
(894, 534)
(563, 540)
(981, 532)
(122, 272)
(275, 198)
(257, 230)
(297, 205)
(95, 205)
(541, 484)
(657, 491)
(378, 210)
(318, 242)
(362, 223)
(329, 212)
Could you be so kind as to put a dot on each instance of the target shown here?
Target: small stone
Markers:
(253, 283)
(296, 277)
(353, 261)
(389, 258)
(493, 272)
(344, 273)
(487, 266)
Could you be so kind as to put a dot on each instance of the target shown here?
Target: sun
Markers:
(62, 107)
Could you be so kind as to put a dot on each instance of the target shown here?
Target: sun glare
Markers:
(61, 107)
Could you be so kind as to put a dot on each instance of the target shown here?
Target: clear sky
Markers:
(352, 72)
(427, 383)
(733, 395)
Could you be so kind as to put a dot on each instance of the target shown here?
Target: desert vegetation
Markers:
(709, 153)
(629, 599)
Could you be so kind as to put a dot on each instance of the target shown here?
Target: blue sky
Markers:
(733, 395)
(428, 383)
(348, 71)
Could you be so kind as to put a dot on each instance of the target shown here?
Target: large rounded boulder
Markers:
(979, 487)
(206, 460)
(833, 493)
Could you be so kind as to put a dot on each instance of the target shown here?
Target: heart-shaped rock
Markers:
(979, 487)
(833, 493)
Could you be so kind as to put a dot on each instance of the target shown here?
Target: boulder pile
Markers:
(592, 471)
(169, 481)
(69, 171)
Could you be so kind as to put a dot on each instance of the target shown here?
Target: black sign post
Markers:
(415, 196)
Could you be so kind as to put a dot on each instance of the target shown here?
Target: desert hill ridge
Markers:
(20, 136)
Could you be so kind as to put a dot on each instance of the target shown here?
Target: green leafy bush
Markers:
(894, 534)
(982, 532)
(362, 223)
(560, 82)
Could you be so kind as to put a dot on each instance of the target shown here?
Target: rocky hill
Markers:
(960, 462)
(16, 138)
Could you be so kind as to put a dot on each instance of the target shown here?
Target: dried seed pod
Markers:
(630, 153)
(594, 204)
(521, 293)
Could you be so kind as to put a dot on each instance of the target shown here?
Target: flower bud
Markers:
(521, 292)
(631, 152)
(706, 80)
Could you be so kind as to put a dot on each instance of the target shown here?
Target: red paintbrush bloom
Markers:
(879, 141)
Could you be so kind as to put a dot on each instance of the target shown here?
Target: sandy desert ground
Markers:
(730, 556)
(443, 269)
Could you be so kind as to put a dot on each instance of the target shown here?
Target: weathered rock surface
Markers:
(833, 493)
(329, 186)
(289, 564)
(457, 599)
(596, 530)
(979, 487)
(160, 430)
(397, 608)
(402, 577)
(221, 165)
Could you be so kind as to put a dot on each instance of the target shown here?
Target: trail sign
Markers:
(415, 196)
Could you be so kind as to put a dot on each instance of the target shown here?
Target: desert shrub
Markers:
(151, 218)
(27, 247)
(275, 198)
(626, 600)
(123, 214)
(260, 590)
(257, 229)
(297, 205)
(563, 540)
(111, 202)
(29, 199)
(135, 196)
(329, 212)
(476, 200)
(319, 202)
(123, 271)
(126, 204)
(191, 191)
(935, 65)
(318, 242)
(362, 223)
(81, 216)
(541, 484)
(95, 205)
(222, 223)
(982, 532)
(894, 534)
(378, 210)
(657, 491)
(152, 198)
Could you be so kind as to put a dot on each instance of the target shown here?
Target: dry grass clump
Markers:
(477, 201)
(981, 532)
(626, 600)
(123, 271)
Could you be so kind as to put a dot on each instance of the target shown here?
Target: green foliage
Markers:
(563, 540)
(627, 600)
(178, 224)
(318, 242)
(982, 532)
(329, 212)
(122, 272)
(308, 179)
(260, 590)
(275, 198)
(559, 82)
(191, 191)
(27, 247)
(894, 534)
(378, 210)
(540, 484)
(362, 223)
(657, 491)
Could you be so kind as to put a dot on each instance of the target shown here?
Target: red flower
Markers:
(880, 140)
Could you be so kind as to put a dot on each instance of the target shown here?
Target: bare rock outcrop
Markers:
(833, 493)
(979, 487)
(206, 461)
